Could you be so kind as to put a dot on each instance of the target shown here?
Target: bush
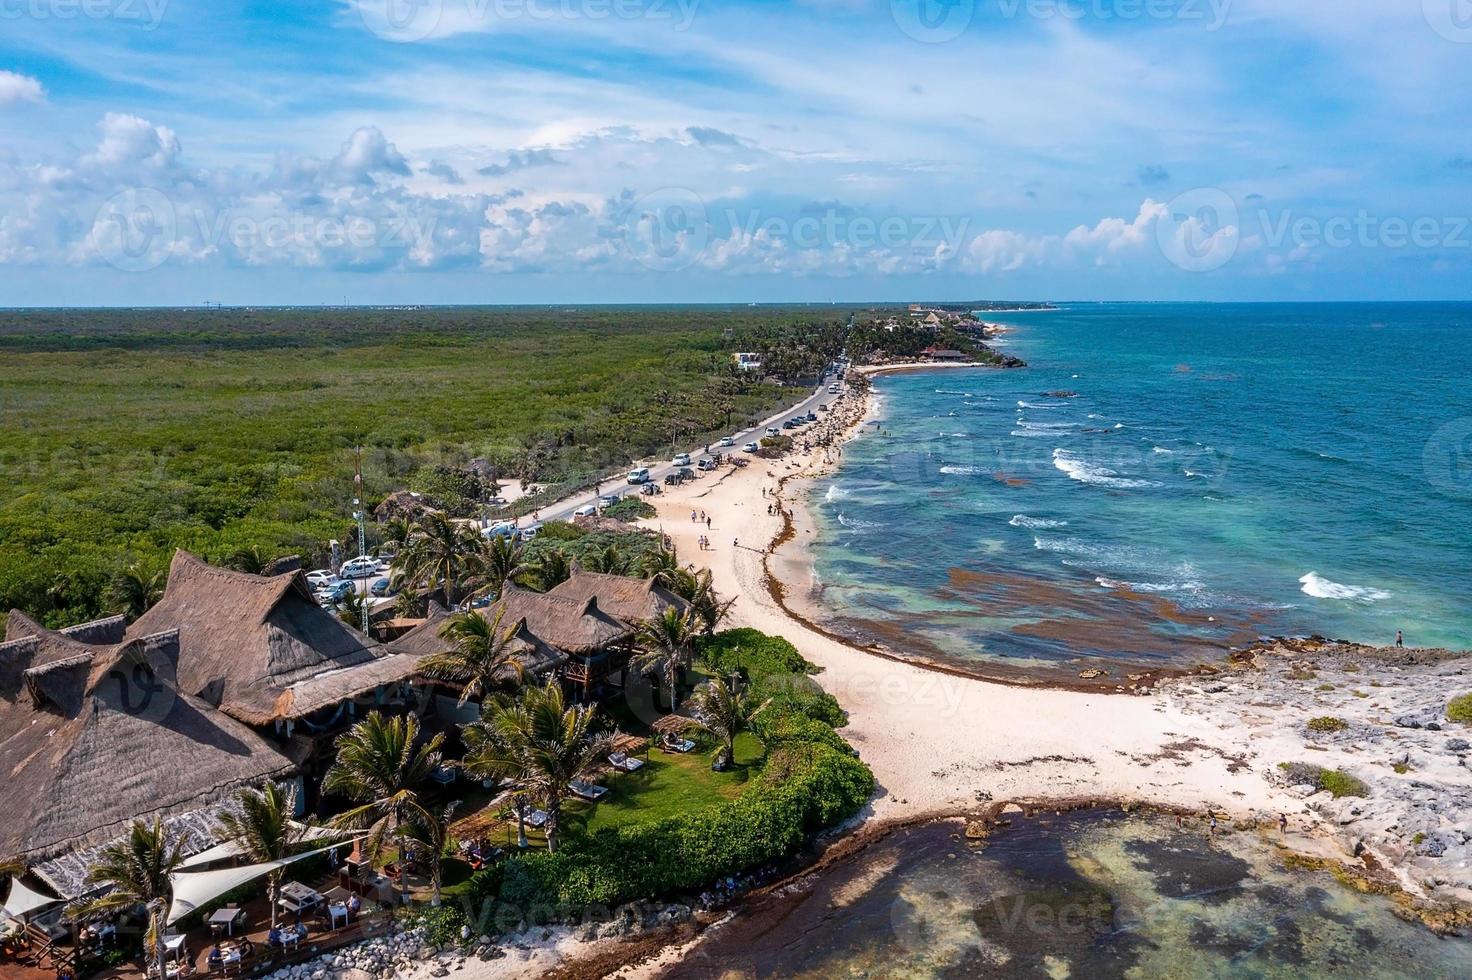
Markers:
(560, 531)
(1336, 782)
(1460, 709)
(629, 509)
(441, 925)
(752, 652)
(1327, 724)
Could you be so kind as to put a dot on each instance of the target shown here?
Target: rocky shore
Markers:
(1361, 736)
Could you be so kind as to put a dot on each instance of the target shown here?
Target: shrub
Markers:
(752, 652)
(1327, 724)
(1460, 709)
(1336, 782)
(441, 925)
(560, 531)
(628, 509)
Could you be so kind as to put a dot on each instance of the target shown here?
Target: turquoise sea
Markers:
(1164, 482)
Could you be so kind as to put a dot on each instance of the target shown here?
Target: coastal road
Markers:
(563, 509)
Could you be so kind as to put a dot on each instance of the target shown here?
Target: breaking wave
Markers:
(1321, 588)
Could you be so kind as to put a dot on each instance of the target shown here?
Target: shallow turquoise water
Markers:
(1083, 895)
(1221, 472)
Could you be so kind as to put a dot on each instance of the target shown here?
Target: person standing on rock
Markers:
(1283, 823)
(1400, 640)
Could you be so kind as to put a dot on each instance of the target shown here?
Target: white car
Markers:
(319, 577)
(587, 510)
(359, 567)
(681, 459)
(727, 441)
(530, 531)
(750, 447)
(773, 431)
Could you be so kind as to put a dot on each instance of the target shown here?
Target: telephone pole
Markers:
(362, 524)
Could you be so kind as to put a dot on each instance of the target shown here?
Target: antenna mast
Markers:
(358, 513)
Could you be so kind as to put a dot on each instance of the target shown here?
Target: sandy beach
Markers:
(942, 743)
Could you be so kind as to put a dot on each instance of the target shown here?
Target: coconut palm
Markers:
(350, 607)
(480, 654)
(250, 560)
(134, 590)
(432, 833)
(409, 603)
(663, 564)
(707, 605)
(135, 871)
(551, 568)
(439, 555)
(380, 767)
(726, 710)
(544, 741)
(263, 827)
(494, 752)
(497, 562)
(394, 534)
(668, 643)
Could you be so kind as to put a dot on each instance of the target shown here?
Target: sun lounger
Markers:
(586, 790)
(536, 818)
(681, 745)
(624, 762)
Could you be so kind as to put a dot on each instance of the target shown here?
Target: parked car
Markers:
(812, 416)
(682, 459)
(381, 588)
(685, 473)
(640, 474)
(727, 441)
(334, 591)
(530, 531)
(361, 567)
(750, 447)
(823, 407)
(319, 577)
(706, 464)
(772, 430)
(649, 489)
(587, 510)
(791, 424)
(833, 389)
(671, 480)
(500, 529)
(608, 500)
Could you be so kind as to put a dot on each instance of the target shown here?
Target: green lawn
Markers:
(668, 784)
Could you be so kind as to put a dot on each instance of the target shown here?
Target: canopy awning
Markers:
(22, 901)
(232, 848)
(195, 888)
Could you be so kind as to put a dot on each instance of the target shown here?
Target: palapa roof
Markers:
(574, 625)
(536, 655)
(633, 600)
(96, 735)
(261, 647)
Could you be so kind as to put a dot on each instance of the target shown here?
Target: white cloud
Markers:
(16, 88)
(129, 142)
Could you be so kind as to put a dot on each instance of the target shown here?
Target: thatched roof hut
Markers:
(96, 735)
(261, 648)
(632, 600)
(536, 656)
(574, 625)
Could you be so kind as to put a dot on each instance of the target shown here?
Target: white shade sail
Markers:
(195, 888)
(231, 848)
(22, 901)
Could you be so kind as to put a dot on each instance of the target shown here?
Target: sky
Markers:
(177, 152)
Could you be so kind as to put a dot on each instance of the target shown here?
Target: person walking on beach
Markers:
(1213, 825)
(1400, 640)
(1282, 824)
(707, 522)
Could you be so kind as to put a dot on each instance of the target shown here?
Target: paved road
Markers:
(563, 509)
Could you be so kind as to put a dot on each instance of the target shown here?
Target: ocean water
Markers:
(1164, 482)
(1092, 894)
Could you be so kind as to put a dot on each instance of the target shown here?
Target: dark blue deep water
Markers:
(1163, 482)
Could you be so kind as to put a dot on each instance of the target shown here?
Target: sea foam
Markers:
(1093, 473)
(1022, 520)
(1321, 588)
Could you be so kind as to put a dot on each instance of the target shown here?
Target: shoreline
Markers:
(945, 743)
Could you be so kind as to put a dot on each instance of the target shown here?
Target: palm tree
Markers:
(608, 561)
(249, 560)
(498, 562)
(265, 831)
(380, 768)
(542, 740)
(725, 710)
(136, 870)
(494, 752)
(707, 605)
(409, 603)
(480, 654)
(438, 556)
(432, 833)
(663, 564)
(350, 608)
(134, 590)
(669, 645)
(395, 532)
(550, 570)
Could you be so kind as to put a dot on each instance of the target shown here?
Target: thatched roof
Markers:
(402, 504)
(261, 647)
(536, 655)
(576, 626)
(93, 736)
(633, 600)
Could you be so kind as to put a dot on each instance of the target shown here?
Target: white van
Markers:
(640, 474)
(587, 510)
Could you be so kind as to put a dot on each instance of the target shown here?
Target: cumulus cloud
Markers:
(16, 88)
(366, 155)
(520, 161)
(445, 172)
(129, 143)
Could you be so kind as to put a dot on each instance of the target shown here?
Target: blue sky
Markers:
(488, 151)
